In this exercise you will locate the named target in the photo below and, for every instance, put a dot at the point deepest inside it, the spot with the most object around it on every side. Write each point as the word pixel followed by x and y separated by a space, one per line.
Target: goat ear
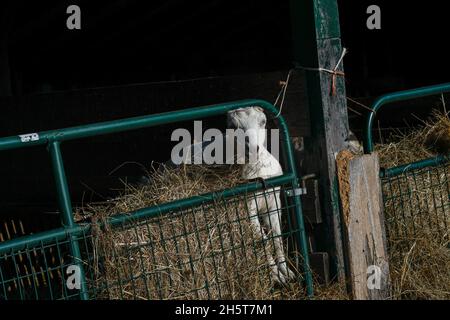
pixel 259 109
pixel 236 110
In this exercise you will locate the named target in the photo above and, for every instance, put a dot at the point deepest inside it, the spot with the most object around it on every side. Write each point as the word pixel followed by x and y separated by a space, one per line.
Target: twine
pixel 334 73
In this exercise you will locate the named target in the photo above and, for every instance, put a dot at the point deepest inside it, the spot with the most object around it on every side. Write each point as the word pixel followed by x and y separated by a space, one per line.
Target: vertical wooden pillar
pixel 317 43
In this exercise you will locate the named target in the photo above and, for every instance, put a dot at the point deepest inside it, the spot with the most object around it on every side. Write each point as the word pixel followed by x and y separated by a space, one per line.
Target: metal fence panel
pixel 417 202
pixel 207 251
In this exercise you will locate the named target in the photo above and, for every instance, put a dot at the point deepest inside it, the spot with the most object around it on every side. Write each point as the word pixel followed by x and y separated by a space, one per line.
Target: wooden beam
pixel 317 44
pixel 364 226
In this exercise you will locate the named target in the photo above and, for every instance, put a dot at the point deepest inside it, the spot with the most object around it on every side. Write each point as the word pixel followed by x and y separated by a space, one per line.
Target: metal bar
pixel 41 238
pixel 102 128
pixel 47 237
pixel 396 97
pixel 65 206
pixel 62 188
pixel 301 234
pixel 432 162
pixel 303 244
pixel 121 219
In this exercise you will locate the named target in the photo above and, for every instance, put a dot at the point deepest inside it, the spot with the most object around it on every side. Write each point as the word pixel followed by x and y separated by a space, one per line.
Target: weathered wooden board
pixel 363 219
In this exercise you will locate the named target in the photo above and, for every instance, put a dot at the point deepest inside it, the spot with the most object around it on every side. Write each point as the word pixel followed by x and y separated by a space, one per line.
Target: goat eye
pixel 262 122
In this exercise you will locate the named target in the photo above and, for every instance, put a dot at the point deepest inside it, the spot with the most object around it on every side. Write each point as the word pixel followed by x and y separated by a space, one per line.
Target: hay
pixel 342 161
pixel 420 268
pixel 417 211
pixel 419 143
pixel 204 253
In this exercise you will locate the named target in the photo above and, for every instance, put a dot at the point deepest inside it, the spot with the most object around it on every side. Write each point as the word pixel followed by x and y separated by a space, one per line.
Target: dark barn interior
pixel 134 58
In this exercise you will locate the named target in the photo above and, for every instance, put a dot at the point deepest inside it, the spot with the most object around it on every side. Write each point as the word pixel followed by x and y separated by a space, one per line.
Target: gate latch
pixel 296 192
pixel 303 190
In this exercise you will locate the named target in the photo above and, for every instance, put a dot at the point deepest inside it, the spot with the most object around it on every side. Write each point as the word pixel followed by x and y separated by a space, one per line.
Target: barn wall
pixel 89 162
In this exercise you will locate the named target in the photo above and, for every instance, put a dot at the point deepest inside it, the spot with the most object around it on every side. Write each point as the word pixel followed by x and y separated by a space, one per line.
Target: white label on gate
pixel 29 137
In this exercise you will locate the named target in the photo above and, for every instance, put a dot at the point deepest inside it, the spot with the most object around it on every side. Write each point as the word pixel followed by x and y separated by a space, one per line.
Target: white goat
pixel 265 205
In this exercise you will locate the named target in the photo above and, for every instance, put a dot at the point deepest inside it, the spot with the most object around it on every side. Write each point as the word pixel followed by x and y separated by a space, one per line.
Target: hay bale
pixel 203 253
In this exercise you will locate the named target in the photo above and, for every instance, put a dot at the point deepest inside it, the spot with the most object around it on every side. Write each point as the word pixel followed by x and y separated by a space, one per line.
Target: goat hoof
pixel 288 273
pixel 278 278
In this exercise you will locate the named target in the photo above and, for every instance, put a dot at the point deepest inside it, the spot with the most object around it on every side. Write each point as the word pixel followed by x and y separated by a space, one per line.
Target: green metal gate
pixel 416 195
pixel 29 264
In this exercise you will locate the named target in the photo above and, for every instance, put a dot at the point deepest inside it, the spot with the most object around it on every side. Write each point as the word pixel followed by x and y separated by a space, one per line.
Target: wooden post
pixel 364 226
pixel 317 43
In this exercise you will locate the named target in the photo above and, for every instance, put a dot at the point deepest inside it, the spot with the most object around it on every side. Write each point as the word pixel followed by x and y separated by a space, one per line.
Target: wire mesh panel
pixel 417 203
pixel 36 272
pixel 216 250
pixel 211 251
pixel 416 195
pixel 417 212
